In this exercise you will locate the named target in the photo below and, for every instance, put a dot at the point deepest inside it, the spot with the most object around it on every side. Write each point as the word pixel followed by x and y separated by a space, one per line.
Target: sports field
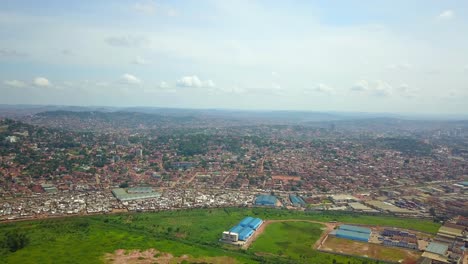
pixel 393 254
pixel 194 233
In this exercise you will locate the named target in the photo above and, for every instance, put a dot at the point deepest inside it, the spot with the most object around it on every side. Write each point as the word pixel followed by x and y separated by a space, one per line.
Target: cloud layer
pixel 41 82
pixel 194 81
pixel 277 55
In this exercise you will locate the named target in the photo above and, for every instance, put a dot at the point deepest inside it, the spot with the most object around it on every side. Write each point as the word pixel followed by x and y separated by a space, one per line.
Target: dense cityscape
pixel 66 163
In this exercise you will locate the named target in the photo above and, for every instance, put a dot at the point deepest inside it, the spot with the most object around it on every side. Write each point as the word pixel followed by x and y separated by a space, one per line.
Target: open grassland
pixel 188 232
pixel 294 240
pixel 393 254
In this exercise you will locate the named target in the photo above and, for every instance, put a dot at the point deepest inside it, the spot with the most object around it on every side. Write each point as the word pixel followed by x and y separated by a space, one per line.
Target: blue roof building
pixel 356 229
pixel 244 230
pixel 245 233
pixel 352 235
pixel 255 223
pixel 266 200
pixel 353 232
pixel 245 222
pixel 296 200
pixel 236 229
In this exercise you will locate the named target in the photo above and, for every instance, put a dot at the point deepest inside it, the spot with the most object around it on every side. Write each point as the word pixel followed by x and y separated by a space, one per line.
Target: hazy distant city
pixel 69 162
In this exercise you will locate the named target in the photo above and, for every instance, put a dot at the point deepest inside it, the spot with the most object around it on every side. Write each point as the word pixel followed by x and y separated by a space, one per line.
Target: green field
pixel 294 240
pixel 193 232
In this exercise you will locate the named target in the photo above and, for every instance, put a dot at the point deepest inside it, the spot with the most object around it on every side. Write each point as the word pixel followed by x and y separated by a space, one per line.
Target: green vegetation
pixel 15 240
pixel 294 241
pixel 194 232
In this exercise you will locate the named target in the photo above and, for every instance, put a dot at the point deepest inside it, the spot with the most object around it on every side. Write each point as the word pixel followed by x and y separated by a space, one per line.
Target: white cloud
pixel 130 79
pixel 41 82
pixel 323 88
pixel 162 87
pixel 140 61
pixel 377 88
pixel 147 8
pixel 382 88
pixel 447 14
pixel 194 81
pixel 407 91
pixel 15 83
pixel 360 86
pixel 209 84
pixel 189 81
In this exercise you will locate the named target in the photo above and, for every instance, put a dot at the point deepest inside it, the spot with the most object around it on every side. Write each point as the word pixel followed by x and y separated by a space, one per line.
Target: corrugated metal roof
pixel 352 235
pixel 236 229
pixel 355 229
pixel 265 199
pixel 245 233
pixel 437 248
pixel 255 223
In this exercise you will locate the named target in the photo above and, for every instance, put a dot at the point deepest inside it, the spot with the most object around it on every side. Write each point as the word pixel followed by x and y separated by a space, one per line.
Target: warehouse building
pixel 357 229
pixel 296 200
pixel 243 231
pixel 437 252
pixel 266 200
pixel 353 233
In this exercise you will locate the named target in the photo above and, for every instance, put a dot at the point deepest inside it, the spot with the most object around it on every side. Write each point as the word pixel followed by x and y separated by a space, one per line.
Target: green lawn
pixel 194 232
pixel 294 241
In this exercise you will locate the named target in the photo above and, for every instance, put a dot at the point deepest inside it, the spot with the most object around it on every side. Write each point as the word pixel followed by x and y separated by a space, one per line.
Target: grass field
pixel 370 250
pixel 193 232
pixel 292 239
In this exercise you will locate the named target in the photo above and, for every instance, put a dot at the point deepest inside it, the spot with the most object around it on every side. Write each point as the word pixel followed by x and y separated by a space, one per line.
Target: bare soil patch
pixel 346 246
pixel 150 256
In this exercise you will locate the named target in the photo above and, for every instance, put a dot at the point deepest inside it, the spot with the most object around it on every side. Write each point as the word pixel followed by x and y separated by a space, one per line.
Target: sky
pixel 359 56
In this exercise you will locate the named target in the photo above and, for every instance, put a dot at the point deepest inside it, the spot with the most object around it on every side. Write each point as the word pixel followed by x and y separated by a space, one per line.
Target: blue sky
pixel 373 56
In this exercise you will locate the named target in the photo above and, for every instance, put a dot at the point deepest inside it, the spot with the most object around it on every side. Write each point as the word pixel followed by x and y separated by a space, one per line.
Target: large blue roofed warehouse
pixel 243 231
pixel 353 232
pixel 265 200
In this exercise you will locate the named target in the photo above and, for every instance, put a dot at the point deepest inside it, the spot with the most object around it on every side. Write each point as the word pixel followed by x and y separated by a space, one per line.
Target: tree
pixel 15 240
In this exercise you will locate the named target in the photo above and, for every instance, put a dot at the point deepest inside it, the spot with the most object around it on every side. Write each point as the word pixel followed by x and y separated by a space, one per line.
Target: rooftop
pixel 355 229
pixel 347 233
pixel 437 248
